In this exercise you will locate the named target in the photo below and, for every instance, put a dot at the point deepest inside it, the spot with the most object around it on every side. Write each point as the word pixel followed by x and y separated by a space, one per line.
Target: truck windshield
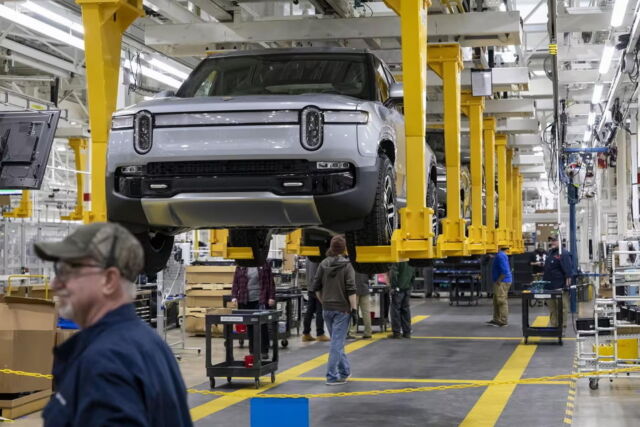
pixel 281 74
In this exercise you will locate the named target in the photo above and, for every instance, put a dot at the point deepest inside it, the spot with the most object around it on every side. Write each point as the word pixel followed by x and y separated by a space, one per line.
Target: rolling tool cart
pixel 530 296
pixel 252 366
pixel 462 283
pixel 292 298
pixel 382 320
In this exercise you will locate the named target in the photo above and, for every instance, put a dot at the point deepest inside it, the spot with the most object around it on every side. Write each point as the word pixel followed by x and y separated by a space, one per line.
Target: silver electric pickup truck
pixel 262 142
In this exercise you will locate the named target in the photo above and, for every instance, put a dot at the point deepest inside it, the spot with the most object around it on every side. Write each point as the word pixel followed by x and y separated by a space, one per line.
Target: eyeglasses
pixel 66 270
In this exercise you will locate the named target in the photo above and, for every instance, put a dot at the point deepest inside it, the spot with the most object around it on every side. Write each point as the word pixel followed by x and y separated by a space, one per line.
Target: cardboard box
pixel 27 337
pixel 64 334
pixel 222 274
pixel 205 296
pixel 194 322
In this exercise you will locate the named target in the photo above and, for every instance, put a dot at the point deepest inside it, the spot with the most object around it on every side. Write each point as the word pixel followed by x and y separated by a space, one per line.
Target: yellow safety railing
pixel 13 277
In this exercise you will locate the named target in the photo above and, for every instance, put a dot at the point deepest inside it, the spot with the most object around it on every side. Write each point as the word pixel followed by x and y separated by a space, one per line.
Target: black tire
pixel 257 239
pixel 593 383
pixel 157 250
pixel 285 343
pixel 379 223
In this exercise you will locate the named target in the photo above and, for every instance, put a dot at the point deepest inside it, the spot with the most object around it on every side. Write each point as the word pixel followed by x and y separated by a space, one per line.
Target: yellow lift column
pixel 415 238
pixel 446 61
pixel 78 145
pixel 104 23
pixel 519 240
pixel 502 233
pixel 489 131
pixel 24 209
pixel 516 226
pixel 509 197
pixel 473 108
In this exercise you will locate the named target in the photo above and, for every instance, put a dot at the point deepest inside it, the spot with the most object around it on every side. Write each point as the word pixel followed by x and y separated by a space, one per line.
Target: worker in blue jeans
pixel 335 287
pixel 501 276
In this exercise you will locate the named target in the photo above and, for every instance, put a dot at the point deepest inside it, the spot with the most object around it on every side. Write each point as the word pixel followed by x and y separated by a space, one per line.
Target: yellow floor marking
pixel 223 402
pixel 426 380
pixel 489 407
pixel 488 338
pixel 569 412
pixel 568 421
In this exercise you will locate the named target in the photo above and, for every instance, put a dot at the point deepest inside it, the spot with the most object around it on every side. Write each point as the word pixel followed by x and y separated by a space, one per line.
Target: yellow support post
pixel 502 233
pixel 489 131
pixel 104 23
pixel 518 241
pixel 78 145
pixel 294 246
pixel 509 193
pixel 515 171
pixel 218 246
pixel 414 240
pixel 473 108
pixel 446 61
pixel 24 209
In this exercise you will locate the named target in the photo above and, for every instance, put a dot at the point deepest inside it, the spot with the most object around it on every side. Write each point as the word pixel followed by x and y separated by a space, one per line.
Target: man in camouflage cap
pixel 116 370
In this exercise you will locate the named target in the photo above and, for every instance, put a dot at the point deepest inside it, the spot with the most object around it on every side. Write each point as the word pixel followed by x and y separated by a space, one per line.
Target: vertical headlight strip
pixel 143 132
pixel 311 128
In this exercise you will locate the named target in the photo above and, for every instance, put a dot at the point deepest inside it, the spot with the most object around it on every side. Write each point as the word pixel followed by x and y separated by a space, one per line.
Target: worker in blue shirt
pixel 558 270
pixel 501 276
pixel 116 371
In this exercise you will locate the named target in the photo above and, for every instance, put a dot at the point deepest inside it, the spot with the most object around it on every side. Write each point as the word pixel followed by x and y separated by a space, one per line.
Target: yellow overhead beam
pixel 104 23
pixel 489 131
pixel 78 146
pixel 473 108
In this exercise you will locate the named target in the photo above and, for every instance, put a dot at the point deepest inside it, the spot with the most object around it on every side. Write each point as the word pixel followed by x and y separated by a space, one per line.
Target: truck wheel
pixel 380 223
pixel 157 250
pixel 256 239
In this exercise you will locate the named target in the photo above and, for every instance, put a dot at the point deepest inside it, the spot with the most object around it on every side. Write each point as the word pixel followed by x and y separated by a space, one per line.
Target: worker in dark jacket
pixel 558 270
pixel 401 280
pixel 116 370
pixel 502 278
pixel 335 287
pixel 254 289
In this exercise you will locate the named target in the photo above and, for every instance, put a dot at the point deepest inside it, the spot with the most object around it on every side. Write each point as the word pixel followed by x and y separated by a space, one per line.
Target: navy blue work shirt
pixel 558 268
pixel 117 372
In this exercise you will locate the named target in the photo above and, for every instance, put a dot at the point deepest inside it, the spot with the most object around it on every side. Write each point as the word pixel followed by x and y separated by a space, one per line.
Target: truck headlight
pixel 311 128
pixel 142 132
pixel 122 122
pixel 346 117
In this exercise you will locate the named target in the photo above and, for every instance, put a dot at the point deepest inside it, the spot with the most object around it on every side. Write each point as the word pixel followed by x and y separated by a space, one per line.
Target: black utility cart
pixel 528 298
pixel 382 321
pixel 236 368
pixel 292 298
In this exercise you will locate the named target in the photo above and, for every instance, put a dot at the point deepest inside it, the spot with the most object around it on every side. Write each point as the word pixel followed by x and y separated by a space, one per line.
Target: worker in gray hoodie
pixel 335 287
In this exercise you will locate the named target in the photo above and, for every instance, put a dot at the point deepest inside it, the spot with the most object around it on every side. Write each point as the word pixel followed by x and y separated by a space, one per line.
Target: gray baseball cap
pixel 109 244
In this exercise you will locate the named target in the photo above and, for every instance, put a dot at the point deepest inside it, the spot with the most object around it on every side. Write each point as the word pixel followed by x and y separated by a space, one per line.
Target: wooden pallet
pixel 18 407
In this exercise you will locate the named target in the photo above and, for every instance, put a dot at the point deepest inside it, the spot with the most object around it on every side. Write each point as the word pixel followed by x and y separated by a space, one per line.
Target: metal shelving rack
pixel 608 327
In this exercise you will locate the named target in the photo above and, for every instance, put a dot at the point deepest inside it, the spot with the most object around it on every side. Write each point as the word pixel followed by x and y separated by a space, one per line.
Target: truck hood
pixel 243 103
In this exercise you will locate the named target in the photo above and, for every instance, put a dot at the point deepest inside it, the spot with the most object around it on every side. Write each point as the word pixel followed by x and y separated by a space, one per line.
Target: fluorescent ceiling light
pixel 48 14
pixel 592 118
pixel 40 27
pixel 168 68
pixel 537 149
pixel 153 74
pixel 619 10
pixel 597 94
pixel 587 135
pixel 539 73
pixel 607 56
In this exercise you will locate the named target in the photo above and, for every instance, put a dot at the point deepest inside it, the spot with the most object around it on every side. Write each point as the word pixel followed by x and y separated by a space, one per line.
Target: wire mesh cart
pixel 292 299
pixel 529 297
pixel 253 366
pixel 609 341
